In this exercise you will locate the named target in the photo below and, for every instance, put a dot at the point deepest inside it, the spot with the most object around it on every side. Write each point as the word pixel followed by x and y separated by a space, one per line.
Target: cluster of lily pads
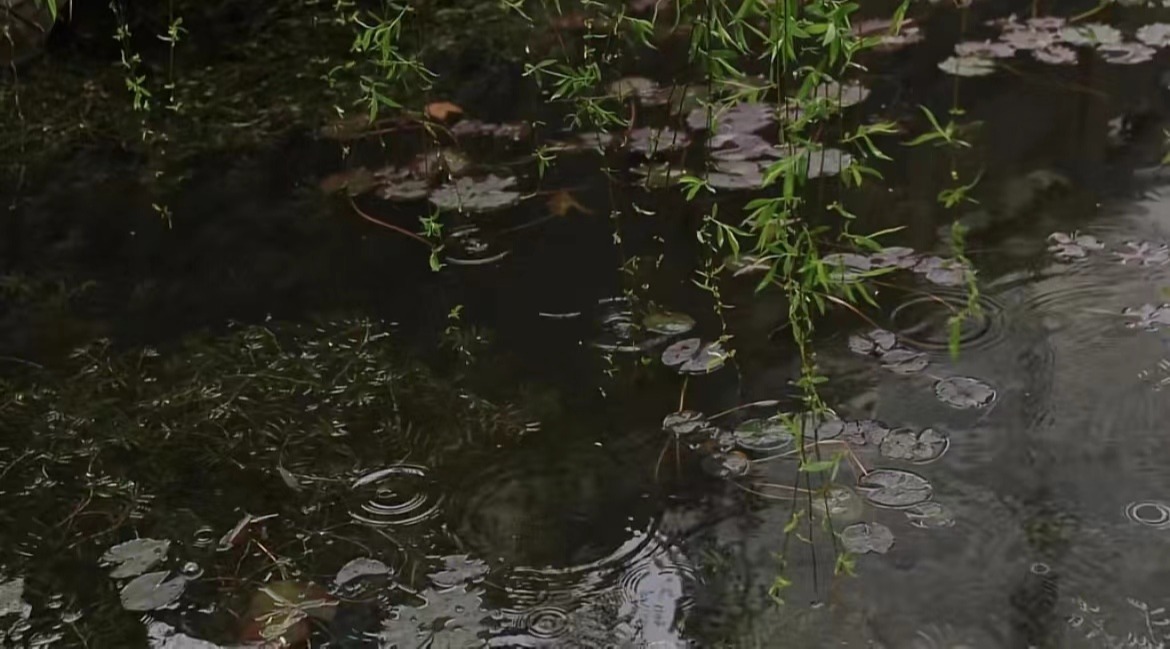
pixel 1076 246
pixel 1054 40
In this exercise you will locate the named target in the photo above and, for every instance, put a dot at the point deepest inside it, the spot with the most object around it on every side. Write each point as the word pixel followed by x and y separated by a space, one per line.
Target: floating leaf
pixel 1091 34
pixel 894 488
pixel 764 435
pixel 743 117
pixel 1154 34
pixel 476 128
pixel 726 465
pixel 737 175
pixel 361 567
pixel 1056 55
pixel 840 503
pixel 441 111
pixel 1068 247
pixel 847 266
pixel 668 322
pixel 1126 53
pixel 477 194
pixel 985 49
pixel 741 146
pixel 964 392
pixel 893 257
pixel 160 635
pixel 12 599
pixel 841 95
pixel 930 515
pixel 652 141
pixel 861 538
pixel 459 570
pixel 135 557
pixel 919 447
pixel 152 591
pixel 680 352
pixel 395 184
pixel 904 361
pixel 1144 253
pixel 967 66
pixel 857 433
pixel 875 342
pixel 1031 39
pixel 825 162
pixel 685 422
pixel 1148 316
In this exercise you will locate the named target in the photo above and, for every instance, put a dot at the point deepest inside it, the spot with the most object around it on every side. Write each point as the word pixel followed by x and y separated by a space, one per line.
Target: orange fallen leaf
pixel 441 111
pixel 562 202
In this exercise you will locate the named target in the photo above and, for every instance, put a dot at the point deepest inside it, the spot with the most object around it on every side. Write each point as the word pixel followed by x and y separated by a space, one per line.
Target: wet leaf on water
pixel 737 175
pixel 904 361
pixel 1091 34
pixel 476 128
pixel 12 599
pixel 1144 253
pixel 857 432
pixel 442 111
pixel 862 538
pixel 434 164
pixel 561 203
pixel 152 591
pixel 943 272
pixel 894 488
pixel 919 447
pixel 985 49
pixel 459 570
pixel 353 182
pixel 652 141
pixel 846 266
pixel 732 464
pixel 680 352
pixel 743 117
pixel 668 322
pixel 825 162
pixel 893 257
pixel 477 194
pixel 685 422
pixel 930 515
pixel 877 341
pixel 1126 53
pixel 288 478
pixel 447 619
pixel 279 611
pixel 1056 55
pixel 657 175
pixel 840 503
pixel 764 435
pixel 1148 316
pixel 691 356
pixel 160 635
pixel 1070 247
pixel 1154 34
pixel 841 95
pixel 135 557
pixel 398 185
pixel 360 567
pixel 967 66
pixel 964 392
pixel 1032 39
pixel 741 146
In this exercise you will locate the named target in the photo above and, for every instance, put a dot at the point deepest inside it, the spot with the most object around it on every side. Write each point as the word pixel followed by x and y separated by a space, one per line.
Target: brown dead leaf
pixel 354 182
pixel 441 111
pixel 562 202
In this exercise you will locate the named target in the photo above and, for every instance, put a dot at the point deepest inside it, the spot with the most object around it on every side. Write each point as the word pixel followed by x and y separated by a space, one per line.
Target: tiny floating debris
pixel 863 538
pixel 894 257
pixel 1148 316
pixel 279 612
pixel 894 488
pixel 135 557
pixel 692 356
pixel 964 392
pixel 1056 55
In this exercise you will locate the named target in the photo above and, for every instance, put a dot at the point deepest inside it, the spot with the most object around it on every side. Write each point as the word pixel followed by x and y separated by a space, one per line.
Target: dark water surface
pixel 280 393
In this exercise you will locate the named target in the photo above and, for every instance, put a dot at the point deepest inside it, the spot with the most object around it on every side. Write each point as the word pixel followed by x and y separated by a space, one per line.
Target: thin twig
pixel 389 226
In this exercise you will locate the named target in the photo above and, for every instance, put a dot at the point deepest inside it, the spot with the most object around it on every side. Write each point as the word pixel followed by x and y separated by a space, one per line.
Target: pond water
pixel 271 422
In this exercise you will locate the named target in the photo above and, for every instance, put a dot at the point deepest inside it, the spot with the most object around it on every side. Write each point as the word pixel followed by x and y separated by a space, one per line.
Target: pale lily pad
pixel 459 570
pixel 764 435
pixel 985 49
pixel 826 162
pixel 12 599
pixel 862 538
pixel 737 175
pixel 680 352
pixel 359 568
pixel 967 66
pixel 919 447
pixel 1031 39
pixel 160 635
pixel 685 422
pixel 477 194
pixel 904 361
pixel 1144 253
pixel 452 618
pixel 930 515
pixel 856 432
pixel 1070 247
pixel 842 95
pixel 894 488
pixel 847 266
pixel 152 591
pixel 964 392
pixel 875 342
pixel 135 557
pixel 691 356
pixel 476 128
pixel 1046 23
pixel 1148 316
pixel 1091 34
pixel 840 503
pixel 1126 53
pixel 743 117
pixel 652 141
pixel 893 257
pixel 403 189
pixel 943 272
pixel 669 323
pixel 1154 34
pixel 741 146
pixel 1056 55
pixel 726 465
pixel 436 163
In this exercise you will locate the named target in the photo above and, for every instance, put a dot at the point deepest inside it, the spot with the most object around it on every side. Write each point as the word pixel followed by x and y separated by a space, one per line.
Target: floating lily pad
pixel 652 141
pixel 862 538
pixel 930 515
pixel 658 175
pixel 877 341
pixel 919 447
pixel 152 591
pixel 459 570
pixel 732 464
pixel 894 488
pixel 1091 34
pixel 133 558
pixel 451 618
pixel 437 163
pixel 826 162
pixel 691 356
pixel 904 361
pixel 1126 53
pixel 685 422
pixel 893 257
pixel 743 117
pixel 856 432
pixel 668 322
pixel 840 503
pixel 476 128
pixel 1148 316
pixel 943 272
pixel 737 175
pixel 1056 55
pixel 160 635
pixel 742 146
pixel 477 194
pixel 1070 247
pixel 985 49
pixel 1154 34
pixel 841 95
pixel 764 435
pixel 359 568
pixel 967 66
pixel 680 352
pixel 1144 253
pixel 1031 39
pixel 847 266
pixel 964 392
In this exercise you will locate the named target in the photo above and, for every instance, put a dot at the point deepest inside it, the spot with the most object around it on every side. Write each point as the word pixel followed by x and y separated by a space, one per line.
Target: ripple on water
pixel 923 322
pixel 402 494
pixel 547 622
pixel 1150 513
